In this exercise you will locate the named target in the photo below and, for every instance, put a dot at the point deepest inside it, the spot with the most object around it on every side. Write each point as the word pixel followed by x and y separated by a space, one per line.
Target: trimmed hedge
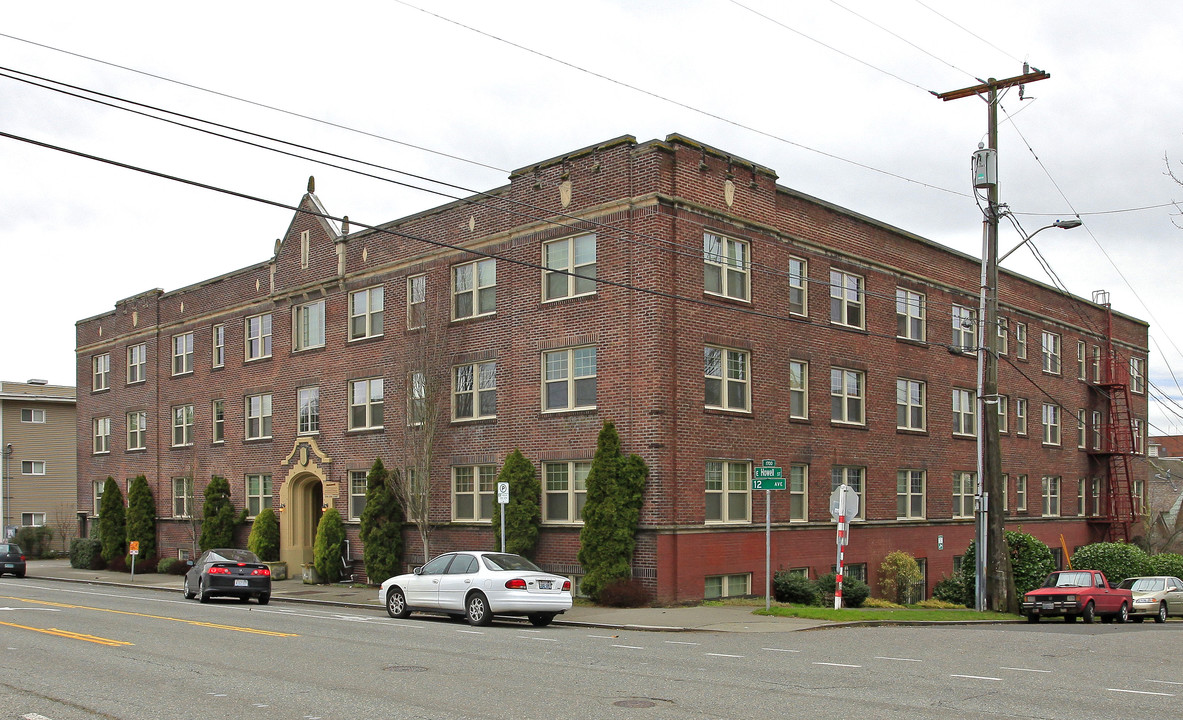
pixel 795 588
pixel 86 554
pixel 1167 564
pixel 1117 560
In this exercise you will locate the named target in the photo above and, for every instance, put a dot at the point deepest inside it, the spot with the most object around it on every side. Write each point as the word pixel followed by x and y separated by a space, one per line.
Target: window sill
pixel 307 350
pixel 264 439
pixel 713 410
pixel 261 358
pixel 727 298
pixel 365 430
pixel 572 411
pixel 851 328
pixel 848 425
pixel 365 338
pixel 963 436
pixel 137 450
pixel 136 382
pixel 182 374
pixel 911 341
pixel 470 318
pixel 100 391
pixel 917 432
pixel 184 446
pixel 564 298
pixel 483 420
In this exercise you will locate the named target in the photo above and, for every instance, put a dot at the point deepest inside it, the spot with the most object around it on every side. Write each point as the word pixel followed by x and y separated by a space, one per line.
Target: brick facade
pixel 649 320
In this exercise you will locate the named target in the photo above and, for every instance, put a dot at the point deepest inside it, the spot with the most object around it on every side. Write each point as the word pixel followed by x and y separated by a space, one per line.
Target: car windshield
pixel 1143 584
pixel 231 555
pixel 505 561
pixel 1069 579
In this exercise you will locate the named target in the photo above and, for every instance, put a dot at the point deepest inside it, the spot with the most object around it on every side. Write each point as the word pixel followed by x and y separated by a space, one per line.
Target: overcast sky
pixel 833 96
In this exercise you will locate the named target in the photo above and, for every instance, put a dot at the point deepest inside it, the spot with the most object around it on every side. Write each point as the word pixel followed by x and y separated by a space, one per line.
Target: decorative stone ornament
pixel 729 192
pixel 565 192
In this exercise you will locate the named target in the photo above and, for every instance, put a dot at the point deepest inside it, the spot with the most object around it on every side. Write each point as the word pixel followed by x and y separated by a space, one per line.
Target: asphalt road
pixel 72 652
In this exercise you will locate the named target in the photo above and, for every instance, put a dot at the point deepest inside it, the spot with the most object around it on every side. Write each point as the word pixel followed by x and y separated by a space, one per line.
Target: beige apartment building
pixel 38 438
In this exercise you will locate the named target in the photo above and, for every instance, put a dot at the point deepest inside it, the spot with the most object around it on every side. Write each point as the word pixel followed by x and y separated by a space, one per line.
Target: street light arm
pixel 1062 224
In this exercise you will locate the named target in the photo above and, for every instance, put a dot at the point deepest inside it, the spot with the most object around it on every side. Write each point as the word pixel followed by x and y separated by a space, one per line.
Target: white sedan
pixel 477 586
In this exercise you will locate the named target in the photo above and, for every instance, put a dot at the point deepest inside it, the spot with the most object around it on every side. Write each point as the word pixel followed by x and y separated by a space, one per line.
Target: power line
pixel 967 31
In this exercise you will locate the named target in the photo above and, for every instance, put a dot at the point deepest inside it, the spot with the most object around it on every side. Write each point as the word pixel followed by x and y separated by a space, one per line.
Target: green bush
pixel 264 538
pixel 329 546
pixel 611 513
pixel 1167 564
pixel 950 589
pixel 141 520
pixel 166 565
pixel 854 591
pixel 112 522
pixel 381 531
pixel 1117 560
pixel 86 554
pixel 794 588
pixel 218 517
pixel 34 541
pixel 898 574
pixel 523 515
pixel 1030 560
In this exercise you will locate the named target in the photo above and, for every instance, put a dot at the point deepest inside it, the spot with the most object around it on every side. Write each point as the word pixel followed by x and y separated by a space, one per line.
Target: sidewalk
pixel 677 619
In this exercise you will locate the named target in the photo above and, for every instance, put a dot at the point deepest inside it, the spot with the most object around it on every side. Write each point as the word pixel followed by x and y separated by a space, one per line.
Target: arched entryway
pixel 302 496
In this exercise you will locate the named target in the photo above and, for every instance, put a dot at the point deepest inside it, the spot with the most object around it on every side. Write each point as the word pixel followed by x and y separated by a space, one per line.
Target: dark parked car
pixel 12 560
pixel 228 572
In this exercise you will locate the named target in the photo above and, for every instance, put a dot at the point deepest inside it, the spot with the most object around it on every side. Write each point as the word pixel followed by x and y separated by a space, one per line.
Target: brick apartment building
pixel 718 318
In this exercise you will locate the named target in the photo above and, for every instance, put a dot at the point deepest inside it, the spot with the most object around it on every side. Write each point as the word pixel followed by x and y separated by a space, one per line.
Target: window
pixel 1005 494
pixel 182 497
pixel 182 425
pixel 965 328
pixel 565 491
pixel 474 289
pixel 102 435
pixel 1137 375
pixel 32 467
pixel 846 396
pixel 258 494
pixel 846 299
pixel 258 416
pixel 854 571
pixel 308 410
pixel 32 415
pixel 101 365
pixel 1081 429
pixel 96 488
pixel 799 492
pixel 473 492
pixel 137 364
pixel 1081 360
pixel 32 519
pixel 183 353
pixel 308 325
pixel 798 287
pixel 1003 335
pixel 416 301
pixel 417 398
pixel 366 310
pixel 1096 417
pixel 909 495
pixel 1051 496
pixel 258 337
pixel 1080 495
pixel 909 315
pixel 1096 363
pixel 721 586
pixel 474 391
pixel 909 404
pixel 1050 349
pixel 1002 403
pixel 1095 491
pixel 304 249
pixel 728 491
pixel 218 340
pixel 1021 416
pixel 964 412
pixel 1051 424
pixel 1139 489
pixel 570 267
pixel 1021 340
pixel 570 379
pixel 365 404
pixel 725 378
pixel 1139 428
pixel 798 389
pixel 1021 494
pixel 725 266
pixel 137 430
pixel 852 476
pixel 358 486
pixel 218 411
pixel 965 487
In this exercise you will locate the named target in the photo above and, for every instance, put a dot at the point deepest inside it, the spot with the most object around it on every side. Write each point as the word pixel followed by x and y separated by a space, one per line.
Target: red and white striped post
pixel 841 545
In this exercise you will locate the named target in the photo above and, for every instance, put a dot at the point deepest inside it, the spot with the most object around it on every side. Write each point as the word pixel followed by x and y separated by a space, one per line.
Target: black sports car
pixel 228 572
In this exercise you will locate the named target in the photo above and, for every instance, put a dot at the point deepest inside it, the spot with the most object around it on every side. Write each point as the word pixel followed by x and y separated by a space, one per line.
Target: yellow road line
pixel 216 626
pixel 71 635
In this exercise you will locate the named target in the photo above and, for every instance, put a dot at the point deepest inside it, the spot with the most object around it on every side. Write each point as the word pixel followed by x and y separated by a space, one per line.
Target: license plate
pixel 8 565
pixel 1048 605
pixel 545 584
pixel 240 583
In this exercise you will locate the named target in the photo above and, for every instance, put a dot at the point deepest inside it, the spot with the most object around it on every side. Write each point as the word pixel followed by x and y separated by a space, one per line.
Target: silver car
pixel 1157 596
pixel 476 586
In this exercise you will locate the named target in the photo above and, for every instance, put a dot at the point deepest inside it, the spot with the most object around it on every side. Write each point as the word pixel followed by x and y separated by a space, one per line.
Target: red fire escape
pixel 1117 511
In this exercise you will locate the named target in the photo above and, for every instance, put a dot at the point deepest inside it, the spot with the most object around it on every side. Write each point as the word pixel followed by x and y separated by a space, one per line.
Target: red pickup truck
pixel 1078 592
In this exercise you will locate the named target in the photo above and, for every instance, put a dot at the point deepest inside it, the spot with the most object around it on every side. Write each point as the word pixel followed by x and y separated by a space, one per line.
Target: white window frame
pixel 367 312
pixel 137 363
pixel 96 492
pixel 32 415
pixel 1081 360
pixel 1050 485
pixel 1049 350
pixel 182 425
pixel 726 266
pixel 1096 362
pixel 1081 429
pixel 357 495
pixel 1138 375
pixel 965 328
pixel 417 406
pixel 475 487
pixel 258 489
pixel 798 286
pixel 474 391
pixel 218 343
pixel 1096 418
pixel 568 271
pixel 32 519
pixel 965 412
pixel 910 488
pixel 909 314
pixel 1021 340
pixel 1003 406
pixel 100 372
pixel 841 396
pixel 729 370
pixel 101 435
pixel 1003 335
pixel 847 299
pixel 1080 497
pixel 965 488
pixel 568 368
pixel 1139 431
pixel 137 430
pixel 1021 493
pixel 218 421
pixel 182 496
pixel 367 402
pixel 32 467
pixel 730 482
pixel 1051 424
pixel 799 389
pixel 305 249
pixel 856 477
pixel 257 333
pixel 308 325
pixel 910 399
pixel 182 353
pixel 308 410
pixel 257 416
pixel 733 585
pixel 571 497
pixel 1021 406
pixel 798 487
pixel 416 301
pixel 474 285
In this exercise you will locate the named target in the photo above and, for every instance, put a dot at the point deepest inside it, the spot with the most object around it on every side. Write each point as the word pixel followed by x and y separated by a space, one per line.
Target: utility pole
pixel 994 578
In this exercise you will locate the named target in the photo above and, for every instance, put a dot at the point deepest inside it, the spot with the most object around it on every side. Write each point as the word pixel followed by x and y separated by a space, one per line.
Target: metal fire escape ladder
pixel 1117 442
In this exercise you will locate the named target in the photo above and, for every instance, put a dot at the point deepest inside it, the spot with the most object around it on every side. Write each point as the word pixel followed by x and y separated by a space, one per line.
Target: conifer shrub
pixel 381 529
pixel 329 546
pixel 264 538
pixel 611 513
pixel 218 517
pixel 86 554
pixel 112 522
pixel 523 512
pixel 141 521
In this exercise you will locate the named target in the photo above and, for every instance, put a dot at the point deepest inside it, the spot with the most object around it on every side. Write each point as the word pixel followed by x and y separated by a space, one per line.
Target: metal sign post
pixel 503 500
pixel 133 549
pixel 843 504
pixel 768 477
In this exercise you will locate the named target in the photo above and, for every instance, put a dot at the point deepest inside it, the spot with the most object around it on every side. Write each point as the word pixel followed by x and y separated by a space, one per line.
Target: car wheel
pixel 264 598
pixel 541 619
pixel 396 603
pixel 201 595
pixel 1161 617
pixel 1032 618
pixel 1090 612
pixel 1122 615
pixel 189 595
pixel 477 610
